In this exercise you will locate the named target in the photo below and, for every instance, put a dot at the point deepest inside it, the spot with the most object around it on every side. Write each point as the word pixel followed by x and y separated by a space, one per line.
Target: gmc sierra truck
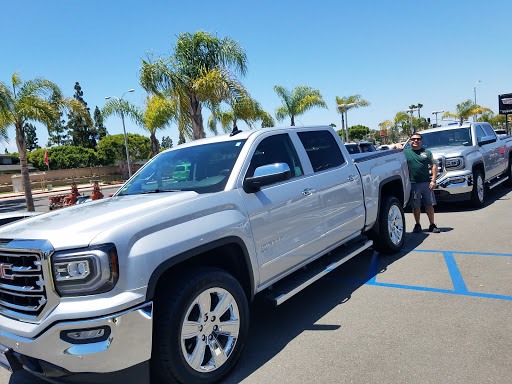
pixel 154 283
pixel 470 158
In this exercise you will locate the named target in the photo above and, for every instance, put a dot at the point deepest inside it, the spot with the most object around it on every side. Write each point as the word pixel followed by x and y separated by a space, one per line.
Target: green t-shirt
pixel 418 164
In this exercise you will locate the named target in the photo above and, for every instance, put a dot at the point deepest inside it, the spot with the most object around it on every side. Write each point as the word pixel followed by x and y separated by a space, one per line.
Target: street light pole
pixel 436 113
pixel 411 111
pixel 474 88
pixel 119 100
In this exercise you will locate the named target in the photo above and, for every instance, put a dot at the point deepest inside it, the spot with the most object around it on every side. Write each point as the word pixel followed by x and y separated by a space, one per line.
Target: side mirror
pixel 266 175
pixel 486 140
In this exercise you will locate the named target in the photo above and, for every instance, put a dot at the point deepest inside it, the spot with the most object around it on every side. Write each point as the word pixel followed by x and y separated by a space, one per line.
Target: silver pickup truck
pixel 157 280
pixel 470 159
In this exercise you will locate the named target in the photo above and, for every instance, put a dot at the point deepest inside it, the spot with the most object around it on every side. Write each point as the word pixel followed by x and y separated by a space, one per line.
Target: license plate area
pixel 4 361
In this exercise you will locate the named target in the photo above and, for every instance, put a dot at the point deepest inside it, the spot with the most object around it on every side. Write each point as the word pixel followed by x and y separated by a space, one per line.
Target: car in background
pixel 361 147
pixel 181 172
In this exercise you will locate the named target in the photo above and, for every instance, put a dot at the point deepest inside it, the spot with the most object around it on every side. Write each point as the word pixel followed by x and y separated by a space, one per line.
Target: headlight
pixel 454 162
pixel 85 272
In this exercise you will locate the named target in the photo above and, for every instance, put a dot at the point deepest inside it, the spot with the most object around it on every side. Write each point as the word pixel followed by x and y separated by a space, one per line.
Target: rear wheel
pixel 389 234
pixel 201 327
pixel 478 193
pixel 508 183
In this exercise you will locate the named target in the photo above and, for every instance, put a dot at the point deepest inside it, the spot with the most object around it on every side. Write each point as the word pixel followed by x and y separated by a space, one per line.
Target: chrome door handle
pixel 308 192
pixel 352 178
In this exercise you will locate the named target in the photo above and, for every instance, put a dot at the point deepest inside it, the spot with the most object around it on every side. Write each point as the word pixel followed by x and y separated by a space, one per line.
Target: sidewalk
pixel 65 190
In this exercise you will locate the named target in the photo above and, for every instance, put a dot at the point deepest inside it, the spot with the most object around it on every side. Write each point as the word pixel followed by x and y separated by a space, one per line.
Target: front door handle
pixel 308 192
pixel 352 178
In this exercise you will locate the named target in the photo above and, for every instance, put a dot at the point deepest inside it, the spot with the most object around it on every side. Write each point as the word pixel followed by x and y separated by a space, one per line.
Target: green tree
pixel 81 130
pixel 30 132
pixel 30 101
pixel 197 72
pixel 465 110
pixel 403 124
pixel 99 128
pixel 57 134
pixel 181 139
pixel 111 148
pixel 349 102
pixel 358 132
pixel 64 157
pixel 297 102
pixel 158 113
pixel 166 142
pixel 246 109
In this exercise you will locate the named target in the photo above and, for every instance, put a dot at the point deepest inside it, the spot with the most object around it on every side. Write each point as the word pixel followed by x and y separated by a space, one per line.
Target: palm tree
pixel 158 113
pixel 465 110
pixel 198 72
pixel 356 102
pixel 297 102
pixel 33 100
pixel 246 109
pixel 387 126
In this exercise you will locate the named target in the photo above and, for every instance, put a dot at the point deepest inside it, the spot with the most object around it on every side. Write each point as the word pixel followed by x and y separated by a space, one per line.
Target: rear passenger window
pixel 322 149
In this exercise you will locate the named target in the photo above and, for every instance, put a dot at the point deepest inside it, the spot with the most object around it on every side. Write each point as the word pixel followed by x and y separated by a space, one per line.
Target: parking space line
pixel 457 279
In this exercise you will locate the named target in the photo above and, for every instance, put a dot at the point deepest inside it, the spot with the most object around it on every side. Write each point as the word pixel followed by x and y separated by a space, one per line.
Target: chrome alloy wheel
pixel 395 225
pixel 210 330
pixel 480 187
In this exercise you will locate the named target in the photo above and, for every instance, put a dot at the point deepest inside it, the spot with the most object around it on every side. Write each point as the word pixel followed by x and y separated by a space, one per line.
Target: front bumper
pixel 454 185
pixel 128 344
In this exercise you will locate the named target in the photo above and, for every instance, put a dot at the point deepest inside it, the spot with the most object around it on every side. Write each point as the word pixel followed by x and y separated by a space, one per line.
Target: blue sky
pixel 393 53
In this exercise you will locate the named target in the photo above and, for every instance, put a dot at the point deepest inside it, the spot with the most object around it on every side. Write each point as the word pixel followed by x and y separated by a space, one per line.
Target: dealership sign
pixel 505 103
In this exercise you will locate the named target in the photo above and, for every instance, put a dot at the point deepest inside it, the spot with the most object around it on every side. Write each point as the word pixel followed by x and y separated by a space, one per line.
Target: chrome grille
pixel 22 282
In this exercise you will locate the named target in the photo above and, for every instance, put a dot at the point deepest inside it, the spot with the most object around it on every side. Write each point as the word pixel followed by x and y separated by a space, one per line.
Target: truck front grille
pixel 22 282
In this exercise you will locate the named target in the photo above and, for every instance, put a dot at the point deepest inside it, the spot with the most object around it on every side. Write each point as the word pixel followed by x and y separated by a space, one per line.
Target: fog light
pixel 88 335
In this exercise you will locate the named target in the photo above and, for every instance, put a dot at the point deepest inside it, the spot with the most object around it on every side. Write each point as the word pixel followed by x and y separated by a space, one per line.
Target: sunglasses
pixel 415 139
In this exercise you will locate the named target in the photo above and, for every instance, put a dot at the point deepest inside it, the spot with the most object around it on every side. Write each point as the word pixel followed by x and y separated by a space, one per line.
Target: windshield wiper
pixel 159 190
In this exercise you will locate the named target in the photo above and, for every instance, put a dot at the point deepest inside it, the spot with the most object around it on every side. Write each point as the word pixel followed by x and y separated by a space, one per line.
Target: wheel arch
pixel 229 254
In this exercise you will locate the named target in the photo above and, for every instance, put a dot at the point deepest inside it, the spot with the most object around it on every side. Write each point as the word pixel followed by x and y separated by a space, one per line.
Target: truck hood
pixel 449 151
pixel 77 225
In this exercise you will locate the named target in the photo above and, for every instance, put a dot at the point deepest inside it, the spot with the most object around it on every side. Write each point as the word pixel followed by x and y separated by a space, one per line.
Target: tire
pixel 478 193
pixel 201 325
pixel 388 234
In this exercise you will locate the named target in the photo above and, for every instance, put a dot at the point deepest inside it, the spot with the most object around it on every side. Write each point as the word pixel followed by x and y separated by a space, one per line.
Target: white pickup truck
pixel 470 158
pixel 157 280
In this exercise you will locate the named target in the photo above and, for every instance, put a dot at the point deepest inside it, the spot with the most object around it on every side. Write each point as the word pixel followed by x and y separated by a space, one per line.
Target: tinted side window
pixel 479 132
pixel 488 130
pixel 276 149
pixel 322 149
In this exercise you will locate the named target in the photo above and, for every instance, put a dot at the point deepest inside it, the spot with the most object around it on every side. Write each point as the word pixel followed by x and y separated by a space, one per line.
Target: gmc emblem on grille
pixel 3 271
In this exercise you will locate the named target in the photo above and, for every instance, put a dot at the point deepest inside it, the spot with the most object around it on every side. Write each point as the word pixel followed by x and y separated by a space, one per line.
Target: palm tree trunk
pixel 293 121
pixel 154 145
pixel 196 117
pixel 25 178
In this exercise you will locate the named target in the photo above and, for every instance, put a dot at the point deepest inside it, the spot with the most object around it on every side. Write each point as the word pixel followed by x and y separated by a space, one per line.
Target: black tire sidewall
pixel 170 319
pixel 382 242
pixel 475 200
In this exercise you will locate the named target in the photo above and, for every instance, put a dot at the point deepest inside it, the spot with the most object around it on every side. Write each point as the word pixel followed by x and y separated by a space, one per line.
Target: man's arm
pixel 432 184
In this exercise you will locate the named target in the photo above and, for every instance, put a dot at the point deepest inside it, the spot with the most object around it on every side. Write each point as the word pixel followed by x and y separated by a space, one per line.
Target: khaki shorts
pixel 421 194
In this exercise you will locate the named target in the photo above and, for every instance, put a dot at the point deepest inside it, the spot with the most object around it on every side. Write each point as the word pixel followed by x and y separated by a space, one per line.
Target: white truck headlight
pixel 454 163
pixel 85 271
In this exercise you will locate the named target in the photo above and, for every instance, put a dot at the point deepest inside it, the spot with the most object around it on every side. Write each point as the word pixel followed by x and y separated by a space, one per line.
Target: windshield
pixel 448 138
pixel 202 168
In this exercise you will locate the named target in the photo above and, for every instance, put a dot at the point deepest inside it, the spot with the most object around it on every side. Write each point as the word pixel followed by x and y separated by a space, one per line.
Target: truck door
pixel 487 151
pixel 342 211
pixel 284 217
pixel 499 150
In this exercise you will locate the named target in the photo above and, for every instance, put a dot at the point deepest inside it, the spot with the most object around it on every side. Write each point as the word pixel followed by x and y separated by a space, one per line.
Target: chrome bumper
pixel 129 343
pixel 454 183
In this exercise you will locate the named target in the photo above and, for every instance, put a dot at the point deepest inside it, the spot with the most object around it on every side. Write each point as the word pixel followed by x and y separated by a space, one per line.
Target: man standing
pixel 422 186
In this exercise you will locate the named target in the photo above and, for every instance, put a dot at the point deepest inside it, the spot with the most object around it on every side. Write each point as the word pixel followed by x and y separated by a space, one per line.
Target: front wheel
pixel 201 327
pixel 478 193
pixel 388 234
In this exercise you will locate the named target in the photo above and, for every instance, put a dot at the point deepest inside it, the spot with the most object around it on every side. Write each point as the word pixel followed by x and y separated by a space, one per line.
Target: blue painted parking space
pixel 459 285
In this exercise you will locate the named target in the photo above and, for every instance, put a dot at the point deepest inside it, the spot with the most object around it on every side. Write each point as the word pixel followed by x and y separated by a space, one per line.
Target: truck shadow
pixel 273 328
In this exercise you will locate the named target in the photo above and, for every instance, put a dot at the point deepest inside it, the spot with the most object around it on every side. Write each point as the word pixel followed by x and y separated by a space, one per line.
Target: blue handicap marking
pixel 459 286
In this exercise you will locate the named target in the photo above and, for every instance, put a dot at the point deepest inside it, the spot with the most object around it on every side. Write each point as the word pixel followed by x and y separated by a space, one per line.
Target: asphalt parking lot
pixel 438 312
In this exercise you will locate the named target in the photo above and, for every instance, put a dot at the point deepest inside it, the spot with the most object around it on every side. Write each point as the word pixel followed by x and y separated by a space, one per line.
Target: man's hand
pixel 432 185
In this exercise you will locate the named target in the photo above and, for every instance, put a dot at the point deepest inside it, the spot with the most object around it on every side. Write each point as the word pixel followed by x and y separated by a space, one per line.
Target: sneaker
pixel 417 228
pixel 433 228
